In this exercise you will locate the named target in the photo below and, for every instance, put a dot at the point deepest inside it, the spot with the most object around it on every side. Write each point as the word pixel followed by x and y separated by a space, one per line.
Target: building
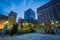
pixel 49 11
pixel 29 16
pixel 12 18
pixel 3 19
pixel 20 21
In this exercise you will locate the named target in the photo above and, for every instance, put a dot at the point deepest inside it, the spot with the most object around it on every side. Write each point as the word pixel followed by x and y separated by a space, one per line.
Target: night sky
pixel 20 6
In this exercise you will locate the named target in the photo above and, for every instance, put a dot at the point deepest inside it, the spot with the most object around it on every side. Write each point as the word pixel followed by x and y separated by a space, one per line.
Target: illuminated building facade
pixel 3 19
pixel 12 18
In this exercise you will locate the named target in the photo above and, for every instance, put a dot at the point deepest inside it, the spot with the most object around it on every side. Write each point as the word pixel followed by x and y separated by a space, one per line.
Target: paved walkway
pixel 35 36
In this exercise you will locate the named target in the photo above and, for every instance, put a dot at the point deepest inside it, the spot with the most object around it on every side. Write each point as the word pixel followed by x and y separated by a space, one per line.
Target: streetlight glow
pixel 42 23
pixel 52 23
pixel 6 22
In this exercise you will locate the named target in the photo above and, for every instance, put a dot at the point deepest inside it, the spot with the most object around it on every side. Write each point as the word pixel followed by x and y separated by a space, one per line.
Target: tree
pixel 14 29
pixel 20 21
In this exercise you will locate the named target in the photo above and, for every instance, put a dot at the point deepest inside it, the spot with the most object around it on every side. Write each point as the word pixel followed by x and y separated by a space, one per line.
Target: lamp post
pixel 43 24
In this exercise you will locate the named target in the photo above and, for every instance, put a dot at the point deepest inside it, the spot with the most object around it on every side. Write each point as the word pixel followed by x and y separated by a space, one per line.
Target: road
pixel 33 36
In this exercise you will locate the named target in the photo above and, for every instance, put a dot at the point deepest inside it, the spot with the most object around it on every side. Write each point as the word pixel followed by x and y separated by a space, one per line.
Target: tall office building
pixel 12 18
pixel 29 15
pixel 49 11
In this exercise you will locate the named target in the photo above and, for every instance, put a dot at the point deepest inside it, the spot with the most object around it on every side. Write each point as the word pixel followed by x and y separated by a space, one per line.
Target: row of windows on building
pixel 50 13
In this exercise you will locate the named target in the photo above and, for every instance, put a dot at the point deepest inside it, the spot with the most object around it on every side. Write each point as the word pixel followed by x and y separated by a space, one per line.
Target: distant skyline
pixel 20 6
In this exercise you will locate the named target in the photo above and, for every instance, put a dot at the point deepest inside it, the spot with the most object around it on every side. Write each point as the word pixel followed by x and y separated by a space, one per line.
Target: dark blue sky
pixel 20 6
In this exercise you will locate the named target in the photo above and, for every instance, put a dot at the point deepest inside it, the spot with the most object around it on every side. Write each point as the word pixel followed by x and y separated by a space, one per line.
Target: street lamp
pixel 43 24
pixel 23 24
pixel 52 23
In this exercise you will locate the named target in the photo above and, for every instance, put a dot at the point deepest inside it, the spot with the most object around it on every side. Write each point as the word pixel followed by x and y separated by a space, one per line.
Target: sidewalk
pixel 34 36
